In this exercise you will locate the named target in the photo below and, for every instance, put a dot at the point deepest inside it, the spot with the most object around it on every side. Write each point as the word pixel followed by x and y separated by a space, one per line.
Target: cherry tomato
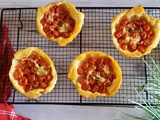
pixel 49 34
pixel 70 29
pixel 100 69
pixel 34 70
pixel 100 60
pixel 27 88
pixel 32 57
pixel 146 42
pixel 22 61
pixel 141 48
pixel 124 22
pixel 31 78
pixel 46 28
pixel 150 34
pixel 30 64
pixel 134 34
pixel 86 87
pixel 43 85
pixel 79 70
pixel 43 21
pixel 40 79
pixel 18 74
pixel 27 71
pixel 23 81
pixel 93 67
pixel 106 82
pixel 56 34
pixel 68 19
pixel 82 81
pixel 110 67
pixel 117 34
pixel 124 46
pixel 143 35
pixel 20 67
pixel 86 72
pixel 120 41
pixel 60 10
pixel 95 88
pixel 102 89
pixel 65 34
pixel 53 8
pixel 91 81
pixel 92 60
pixel 132 46
pixel 107 60
pixel 84 66
pixel 36 85
pixel 142 21
pixel 146 27
pixel 48 77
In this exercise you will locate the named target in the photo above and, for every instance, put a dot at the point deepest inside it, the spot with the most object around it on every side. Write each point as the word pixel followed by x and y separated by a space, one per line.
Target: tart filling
pixel 134 35
pixel 57 22
pixel 96 74
pixel 32 73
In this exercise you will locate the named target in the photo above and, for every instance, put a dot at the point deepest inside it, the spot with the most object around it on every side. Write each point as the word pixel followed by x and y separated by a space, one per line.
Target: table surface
pixel 72 112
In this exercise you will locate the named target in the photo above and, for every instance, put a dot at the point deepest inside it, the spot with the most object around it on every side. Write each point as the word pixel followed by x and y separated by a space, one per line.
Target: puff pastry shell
pixel 35 93
pixel 72 74
pixel 76 15
pixel 137 12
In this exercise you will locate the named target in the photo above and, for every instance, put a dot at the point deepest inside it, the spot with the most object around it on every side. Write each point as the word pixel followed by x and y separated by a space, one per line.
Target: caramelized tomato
pixel 53 21
pixel 136 29
pixel 96 74
pixel 28 76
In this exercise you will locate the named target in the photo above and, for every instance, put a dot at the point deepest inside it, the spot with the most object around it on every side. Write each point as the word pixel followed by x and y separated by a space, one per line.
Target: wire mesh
pixel 96 36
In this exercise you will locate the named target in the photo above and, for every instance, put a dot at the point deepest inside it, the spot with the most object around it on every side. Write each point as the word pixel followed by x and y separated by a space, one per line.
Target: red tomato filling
pixel 134 35
pixel 96 74
pixel 33 73
pixel 57 22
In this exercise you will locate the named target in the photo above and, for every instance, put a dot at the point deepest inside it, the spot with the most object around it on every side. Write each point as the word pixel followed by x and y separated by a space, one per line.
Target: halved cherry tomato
pixel 86 87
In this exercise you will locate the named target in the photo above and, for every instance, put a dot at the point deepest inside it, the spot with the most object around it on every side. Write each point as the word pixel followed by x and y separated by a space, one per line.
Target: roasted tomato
pixel 134 33
pixel 59 22
pixel 32 72
pixel 95 74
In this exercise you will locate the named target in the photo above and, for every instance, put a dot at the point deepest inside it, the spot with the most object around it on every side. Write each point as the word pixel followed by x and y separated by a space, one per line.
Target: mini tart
pixel 134 33
pixel 95 74
pixel 59 22
pixel 32 72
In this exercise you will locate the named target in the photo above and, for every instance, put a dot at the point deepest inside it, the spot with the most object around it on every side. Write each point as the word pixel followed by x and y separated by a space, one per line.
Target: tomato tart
pixel 95 74
pixel 32 72
pixel 134 32
pixel 59 22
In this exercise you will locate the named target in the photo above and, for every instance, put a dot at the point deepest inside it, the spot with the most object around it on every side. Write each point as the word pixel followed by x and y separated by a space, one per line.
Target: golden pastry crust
pixel 137 12
pixel 73 75
pixel 35 93
pixel 77 16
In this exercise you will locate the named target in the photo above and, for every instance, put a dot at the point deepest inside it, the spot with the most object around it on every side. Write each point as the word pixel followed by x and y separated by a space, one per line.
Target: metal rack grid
pixel 95 35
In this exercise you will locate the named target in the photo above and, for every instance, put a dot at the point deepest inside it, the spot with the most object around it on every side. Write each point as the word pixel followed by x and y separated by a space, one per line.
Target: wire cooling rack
pixel 96 36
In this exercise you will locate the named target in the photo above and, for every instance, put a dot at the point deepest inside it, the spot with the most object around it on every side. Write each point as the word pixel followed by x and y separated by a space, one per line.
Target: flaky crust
pixel 136 12
pixel 77 16
pixel 35 93
pixel 72 74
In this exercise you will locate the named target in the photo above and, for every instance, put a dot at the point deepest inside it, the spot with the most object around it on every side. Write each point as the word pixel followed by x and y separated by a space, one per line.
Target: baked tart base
pixel 32 72
pixel 95 74
pixel 59 22
pixel 134 32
